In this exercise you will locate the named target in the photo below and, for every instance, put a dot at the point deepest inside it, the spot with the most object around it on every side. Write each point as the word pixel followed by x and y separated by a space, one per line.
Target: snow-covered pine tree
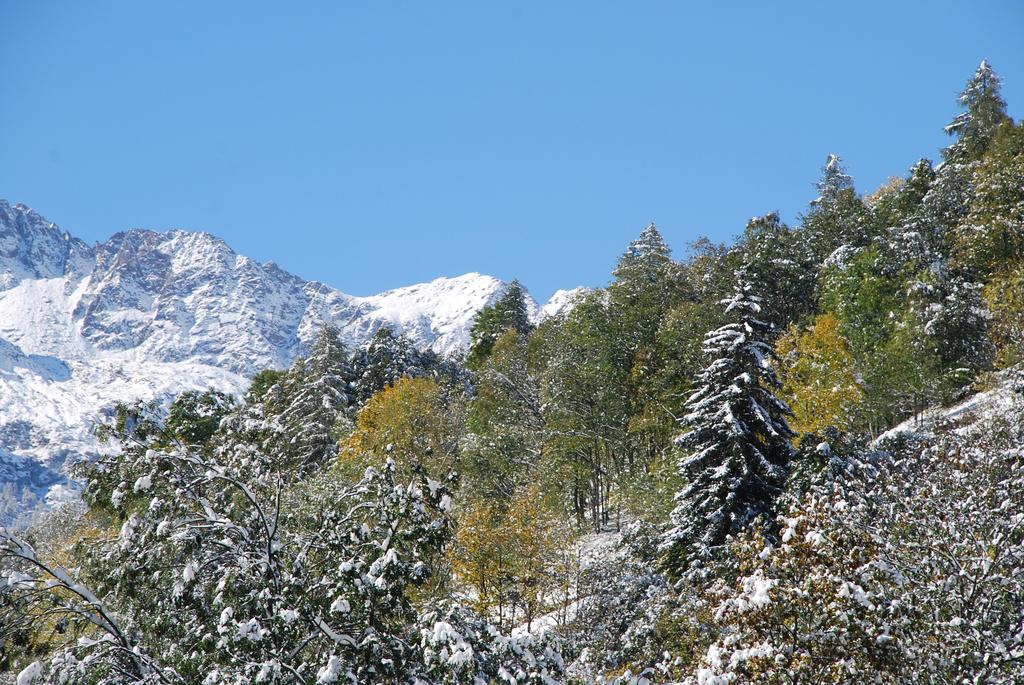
pixel 894 204
pixel 838 218
pixel 915 223
pixel 385 360
pixel 737 449
pixel 834 180
pixel 644 288
pixel 645 258
pixel 950 322
pixel 317 396
pixel 985 111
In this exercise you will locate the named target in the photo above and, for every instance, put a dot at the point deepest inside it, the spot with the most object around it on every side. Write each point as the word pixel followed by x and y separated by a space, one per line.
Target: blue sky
pixel 376 144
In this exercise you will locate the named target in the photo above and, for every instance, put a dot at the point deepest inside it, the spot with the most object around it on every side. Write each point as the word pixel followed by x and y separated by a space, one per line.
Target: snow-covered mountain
pixel 149 314
pixel 563 301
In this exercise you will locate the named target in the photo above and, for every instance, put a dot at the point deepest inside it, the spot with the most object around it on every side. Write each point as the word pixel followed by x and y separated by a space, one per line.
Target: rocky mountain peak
pixel 149 314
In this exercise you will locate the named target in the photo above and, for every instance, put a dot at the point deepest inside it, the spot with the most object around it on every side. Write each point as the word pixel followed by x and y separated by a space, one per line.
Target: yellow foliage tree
pixel 819 381
pixel 517 561
pixel 414 422
pixel 482 558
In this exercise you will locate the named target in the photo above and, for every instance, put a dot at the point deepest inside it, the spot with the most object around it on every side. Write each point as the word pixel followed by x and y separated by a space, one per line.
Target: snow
pixel 590 550
pixel 29 674
pixel 331 672
pixel 986 403
pixel 563 301
pixel 147 315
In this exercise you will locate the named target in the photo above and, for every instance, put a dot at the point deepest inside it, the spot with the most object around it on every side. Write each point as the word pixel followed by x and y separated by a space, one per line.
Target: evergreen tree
pixel 195 416
pixel 991 235
pixel 646 257
pixel 894 206
pixel 775 258
pixel 737 438
pixel 504 422
pixel 645 287
pixel 318 395
pixel 508 313
pixel 950 325
pixel 834 180
pixel 838 217
pixel 385 360
pixel 985 111
pixel 511 308
pixel 915 224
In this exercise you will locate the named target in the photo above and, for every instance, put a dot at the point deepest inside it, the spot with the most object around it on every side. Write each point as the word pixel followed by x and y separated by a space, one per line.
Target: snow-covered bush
pixel 914 573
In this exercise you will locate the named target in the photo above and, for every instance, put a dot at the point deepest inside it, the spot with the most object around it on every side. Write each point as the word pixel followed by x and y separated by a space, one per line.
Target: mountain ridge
pixel 148 314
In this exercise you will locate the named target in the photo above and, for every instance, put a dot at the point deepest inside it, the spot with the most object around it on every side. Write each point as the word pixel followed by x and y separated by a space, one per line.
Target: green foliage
pixel 261 384
pixel 985 111
pixel 838 218
pixel 493 321
pixel 775 258
pixel 894 205
pixel 195 416
pixel 585 402
pixel 504 423
pixel 992 234
pixel 886 305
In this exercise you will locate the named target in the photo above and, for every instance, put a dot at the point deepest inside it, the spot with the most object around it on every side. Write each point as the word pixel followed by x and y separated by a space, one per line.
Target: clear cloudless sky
pixel 371 145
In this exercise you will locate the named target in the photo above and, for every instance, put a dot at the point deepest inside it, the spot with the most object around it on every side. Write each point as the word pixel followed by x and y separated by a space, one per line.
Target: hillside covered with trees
pixel 689 477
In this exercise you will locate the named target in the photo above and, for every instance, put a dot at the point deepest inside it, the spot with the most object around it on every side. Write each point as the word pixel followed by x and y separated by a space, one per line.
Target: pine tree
pixel 991 236
pixel 949 323
pixel 508 313
pixel 838 217
pixel 985 111
pixel 776 257
pixel 648 283
pixel 385 360
pixel 645 258
pixel 896 206
pixel 916 222
pixel 511 308
pixel 317 396
pixel 644 289
pixel 834 180
pixel 737 438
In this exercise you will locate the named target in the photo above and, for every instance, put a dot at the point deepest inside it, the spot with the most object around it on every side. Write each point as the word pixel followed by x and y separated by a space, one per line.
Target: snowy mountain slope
pixel 563 301
pixel 994 401
pixel 147 314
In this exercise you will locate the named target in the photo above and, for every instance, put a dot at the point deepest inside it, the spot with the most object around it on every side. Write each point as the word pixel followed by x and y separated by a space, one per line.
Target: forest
pixel 692 476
